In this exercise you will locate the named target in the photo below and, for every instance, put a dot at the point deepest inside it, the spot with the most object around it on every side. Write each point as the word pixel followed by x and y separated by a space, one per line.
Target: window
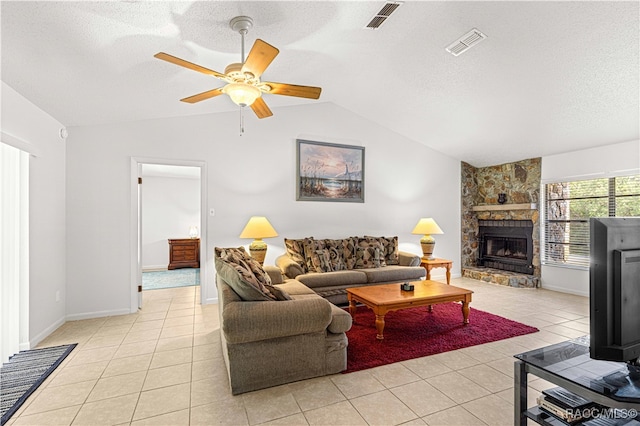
pixel 568 207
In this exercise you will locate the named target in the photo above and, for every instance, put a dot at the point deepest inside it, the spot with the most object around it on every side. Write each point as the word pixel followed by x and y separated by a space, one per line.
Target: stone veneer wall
pixel 481 186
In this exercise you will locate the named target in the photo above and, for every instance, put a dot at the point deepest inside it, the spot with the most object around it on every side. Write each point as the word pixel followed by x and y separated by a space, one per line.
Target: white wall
pixel 170 205
pixel 47 225
pixel 611 160
pixel 253 174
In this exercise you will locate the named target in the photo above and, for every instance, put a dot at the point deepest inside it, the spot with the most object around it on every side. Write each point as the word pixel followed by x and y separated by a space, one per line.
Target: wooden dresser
pixel 184 253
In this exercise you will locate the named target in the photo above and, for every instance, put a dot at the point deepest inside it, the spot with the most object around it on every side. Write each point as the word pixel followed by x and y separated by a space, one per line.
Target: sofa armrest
pixel 253 321
pixel 274 273
pixel 288 266
pixel 408 259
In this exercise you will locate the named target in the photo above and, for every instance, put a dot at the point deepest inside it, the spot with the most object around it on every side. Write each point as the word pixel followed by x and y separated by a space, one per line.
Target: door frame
pixel 136 241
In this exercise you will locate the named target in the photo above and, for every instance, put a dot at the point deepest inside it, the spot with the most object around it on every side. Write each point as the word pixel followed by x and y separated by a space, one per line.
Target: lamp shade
pixel 427 226
pixel 258 227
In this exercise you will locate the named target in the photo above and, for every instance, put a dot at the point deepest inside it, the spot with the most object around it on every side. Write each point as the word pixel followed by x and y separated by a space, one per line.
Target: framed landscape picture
pixel 329 172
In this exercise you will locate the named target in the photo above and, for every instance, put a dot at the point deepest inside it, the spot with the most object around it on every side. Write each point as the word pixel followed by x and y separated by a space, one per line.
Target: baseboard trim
pixel 98 314
pixel 442 276
pixel 33 342
pixel 154 268
pixel 564 290
pixel 211 300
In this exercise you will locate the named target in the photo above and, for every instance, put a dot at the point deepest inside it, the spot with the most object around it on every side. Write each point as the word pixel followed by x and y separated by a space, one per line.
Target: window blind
pixel 569 206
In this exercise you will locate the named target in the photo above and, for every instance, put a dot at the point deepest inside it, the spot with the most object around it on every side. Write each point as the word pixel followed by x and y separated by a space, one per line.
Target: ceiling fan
pixel 243 79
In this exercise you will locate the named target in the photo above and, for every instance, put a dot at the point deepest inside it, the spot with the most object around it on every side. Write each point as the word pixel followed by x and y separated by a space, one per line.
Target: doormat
pixel 24 372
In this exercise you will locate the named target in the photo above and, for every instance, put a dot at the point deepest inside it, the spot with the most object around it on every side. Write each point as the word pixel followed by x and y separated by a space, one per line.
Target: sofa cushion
pixel 249 274
pixel 369 255
pixel 275 274
pixel 244 289
pixel 389 248
pixel 295 288
pixel 310 247
pixel 367 242
pixel 394 273
pixel 336 254
pixel 279 293
pixel 321 261
pixel 248 265
pixel 327 279
pixel 349 251
pixel 295 250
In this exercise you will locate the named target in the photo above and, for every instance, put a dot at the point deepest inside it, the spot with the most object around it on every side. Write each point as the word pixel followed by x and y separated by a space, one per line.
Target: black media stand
pixel 569 366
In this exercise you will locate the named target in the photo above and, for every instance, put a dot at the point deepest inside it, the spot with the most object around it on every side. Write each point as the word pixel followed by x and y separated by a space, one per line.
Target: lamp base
pixel 258 250
pixel 428 243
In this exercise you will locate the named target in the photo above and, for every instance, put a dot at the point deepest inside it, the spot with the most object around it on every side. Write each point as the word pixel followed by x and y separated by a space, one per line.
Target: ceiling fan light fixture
pixel 242 94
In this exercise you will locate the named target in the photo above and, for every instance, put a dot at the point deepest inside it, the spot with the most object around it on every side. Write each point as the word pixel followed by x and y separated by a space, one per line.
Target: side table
pixel 429 264
pixel 184 253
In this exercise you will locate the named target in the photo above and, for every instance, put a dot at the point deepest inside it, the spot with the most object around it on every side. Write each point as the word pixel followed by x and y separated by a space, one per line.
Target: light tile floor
pixel 164 366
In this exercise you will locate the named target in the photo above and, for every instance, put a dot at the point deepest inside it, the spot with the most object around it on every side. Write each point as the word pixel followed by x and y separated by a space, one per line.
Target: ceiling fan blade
pixel 187 64
pixel 260 108
pixel 294 90
pixel 203 96
pixel 259 58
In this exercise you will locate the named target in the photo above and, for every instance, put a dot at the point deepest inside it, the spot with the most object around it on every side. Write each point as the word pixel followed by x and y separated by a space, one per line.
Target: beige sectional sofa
pixel 330 266
pixel 274 331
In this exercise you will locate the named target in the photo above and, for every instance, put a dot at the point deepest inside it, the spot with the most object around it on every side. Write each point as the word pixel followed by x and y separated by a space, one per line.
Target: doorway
pixel 14 250
pixel 169 207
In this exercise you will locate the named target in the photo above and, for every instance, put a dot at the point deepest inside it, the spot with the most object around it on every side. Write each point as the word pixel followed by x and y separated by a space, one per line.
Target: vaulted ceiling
pixel 550 77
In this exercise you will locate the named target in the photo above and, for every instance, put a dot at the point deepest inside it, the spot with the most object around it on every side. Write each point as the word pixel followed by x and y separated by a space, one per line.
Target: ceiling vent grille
pixel 380 17
pixel 465 42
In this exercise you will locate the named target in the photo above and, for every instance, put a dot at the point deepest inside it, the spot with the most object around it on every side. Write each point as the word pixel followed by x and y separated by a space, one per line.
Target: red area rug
pixel 415 332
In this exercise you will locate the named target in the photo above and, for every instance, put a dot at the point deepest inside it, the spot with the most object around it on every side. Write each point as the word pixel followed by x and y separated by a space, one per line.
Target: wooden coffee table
pixel 389 297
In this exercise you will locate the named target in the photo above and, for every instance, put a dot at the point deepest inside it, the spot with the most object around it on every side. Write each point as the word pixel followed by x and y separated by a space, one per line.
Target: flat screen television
pixel 614 290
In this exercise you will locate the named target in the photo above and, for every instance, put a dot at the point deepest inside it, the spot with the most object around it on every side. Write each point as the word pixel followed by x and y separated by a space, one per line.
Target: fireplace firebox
pixel 506 245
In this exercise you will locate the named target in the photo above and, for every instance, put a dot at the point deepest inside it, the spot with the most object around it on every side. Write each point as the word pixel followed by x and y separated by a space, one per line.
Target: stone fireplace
pixel 501 239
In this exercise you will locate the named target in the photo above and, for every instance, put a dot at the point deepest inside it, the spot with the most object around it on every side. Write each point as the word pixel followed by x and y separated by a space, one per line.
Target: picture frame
pixel 329 172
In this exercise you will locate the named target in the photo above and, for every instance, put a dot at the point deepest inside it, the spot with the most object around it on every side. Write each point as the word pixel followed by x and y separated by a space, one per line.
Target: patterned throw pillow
pixel 368 242
pixel 310 248
pixel 349 254
pixel 389 248
pixel 335 254
pixel 295 250
pixel 321 261
pixel 249 270
pixel 368 257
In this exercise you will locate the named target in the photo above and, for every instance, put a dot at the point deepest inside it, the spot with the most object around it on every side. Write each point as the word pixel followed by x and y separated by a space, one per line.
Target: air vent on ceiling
pixel 380 17
pixel 465 42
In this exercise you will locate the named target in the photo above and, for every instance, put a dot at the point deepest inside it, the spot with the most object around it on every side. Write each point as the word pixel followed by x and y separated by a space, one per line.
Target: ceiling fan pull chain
pixel 241 122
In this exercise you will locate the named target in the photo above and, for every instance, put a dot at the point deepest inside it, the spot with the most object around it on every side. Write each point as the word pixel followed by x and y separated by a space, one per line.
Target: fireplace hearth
pixel 506 245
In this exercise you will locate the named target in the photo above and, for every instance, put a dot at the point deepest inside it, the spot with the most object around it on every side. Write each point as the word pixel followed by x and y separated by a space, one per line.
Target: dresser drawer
pixel 189 254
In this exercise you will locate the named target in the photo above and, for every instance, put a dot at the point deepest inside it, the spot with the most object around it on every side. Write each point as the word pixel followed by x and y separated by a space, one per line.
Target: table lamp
pixel 258 228
pixel 426 227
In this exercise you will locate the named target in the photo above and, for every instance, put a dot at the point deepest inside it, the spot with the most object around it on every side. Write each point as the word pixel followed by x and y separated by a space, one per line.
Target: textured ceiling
pixel 551 77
